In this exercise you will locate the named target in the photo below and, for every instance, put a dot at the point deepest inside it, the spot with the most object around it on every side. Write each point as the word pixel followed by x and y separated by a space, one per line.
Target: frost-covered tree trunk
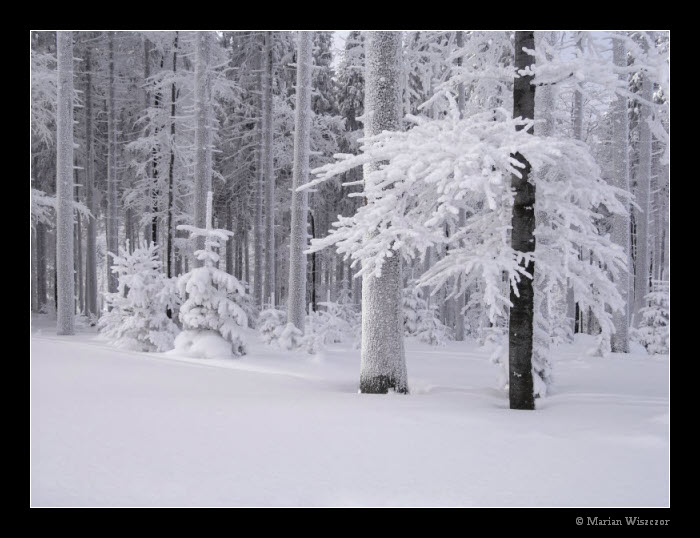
pixel 41 264
pixel 78 250
pixel 520 333
pixel 620 234
pixel 202 175
pixel 296 301
pixel 383 361
pixel 64 187
pixel 148 232
pixel 91 238
pixel 171 167
pixel 641 266
pixel 112 229
pixel 269 172
pixel 258 223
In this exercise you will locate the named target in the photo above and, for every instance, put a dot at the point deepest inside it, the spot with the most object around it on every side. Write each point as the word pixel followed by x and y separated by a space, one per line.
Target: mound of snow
pixel 204 344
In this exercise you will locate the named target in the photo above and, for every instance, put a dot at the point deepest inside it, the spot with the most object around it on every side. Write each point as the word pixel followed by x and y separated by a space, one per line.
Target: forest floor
pixel 117 428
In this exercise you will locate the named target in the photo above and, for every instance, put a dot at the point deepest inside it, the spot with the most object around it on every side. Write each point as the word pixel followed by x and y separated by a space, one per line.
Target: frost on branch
pixel 213 299
pixel 439 167
pixel 137 319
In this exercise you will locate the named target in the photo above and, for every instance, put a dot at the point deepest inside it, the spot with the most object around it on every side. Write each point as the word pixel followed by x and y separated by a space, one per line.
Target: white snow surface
pixel 110 427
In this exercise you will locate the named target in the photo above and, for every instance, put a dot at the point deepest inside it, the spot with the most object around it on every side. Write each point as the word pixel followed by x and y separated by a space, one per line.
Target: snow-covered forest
pixel 317 268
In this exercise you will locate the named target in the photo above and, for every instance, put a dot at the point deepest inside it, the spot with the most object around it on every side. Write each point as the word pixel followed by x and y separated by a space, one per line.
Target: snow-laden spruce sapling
pixel 137 318
pixel 212 314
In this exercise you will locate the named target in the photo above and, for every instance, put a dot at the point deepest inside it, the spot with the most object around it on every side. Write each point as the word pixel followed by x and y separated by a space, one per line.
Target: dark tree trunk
pixel 171 181
pixel 523 240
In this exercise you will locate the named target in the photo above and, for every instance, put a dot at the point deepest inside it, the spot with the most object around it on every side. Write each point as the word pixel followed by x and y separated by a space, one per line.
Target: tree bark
pixel 296 301
pixel 383 365
pixel 520 333
pixel 202 176
pixel 268 170
pixel 619 341
pixel 41 262
pixel 65 284
pixel 91 239
pixel 258 223
pixel 171 168
pixel 112 229
pixel 641 266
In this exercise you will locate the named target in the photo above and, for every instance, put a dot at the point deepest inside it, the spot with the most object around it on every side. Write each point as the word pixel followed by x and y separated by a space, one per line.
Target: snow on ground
pixel 121 428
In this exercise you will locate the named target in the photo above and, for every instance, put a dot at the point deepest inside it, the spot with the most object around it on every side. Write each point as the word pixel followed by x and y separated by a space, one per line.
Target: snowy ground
pixel 117 428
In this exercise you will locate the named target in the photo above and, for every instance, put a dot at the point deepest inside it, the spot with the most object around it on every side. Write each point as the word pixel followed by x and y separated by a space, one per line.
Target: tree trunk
pixel 112 229
pixel 171 168
pixel 65 284
pixel 641 266
pixel 520 331
pixel 258 224
pixel 383 364
pixel 314 305
pixel 91 242
pixel 202 176
pixel 268 171
pixel 619 341
pixel 148 230
pixel 41 262
pixel 78 253
pixel 296 302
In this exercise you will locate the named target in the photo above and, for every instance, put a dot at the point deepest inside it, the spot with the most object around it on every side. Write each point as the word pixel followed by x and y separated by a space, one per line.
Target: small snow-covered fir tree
pixel 654 331
pixel 137 319
pixel 421 318
pixel 271 324
pixel 412 304
pixel 212 313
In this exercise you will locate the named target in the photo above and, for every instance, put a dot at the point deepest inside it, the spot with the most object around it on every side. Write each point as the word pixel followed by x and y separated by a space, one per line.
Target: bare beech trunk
pixel 383 361
pixel 65 284
pixel 296 302
pixel 520 333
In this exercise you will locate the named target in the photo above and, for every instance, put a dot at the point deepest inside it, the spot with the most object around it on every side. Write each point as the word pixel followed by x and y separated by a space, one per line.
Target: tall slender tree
pixel 641 263
pixel 202 176
pixel 619 341
pixel 91 239
pixel 65 322
pixel 520 332
pixel 296 306
pixel 112 229
pixel 268 171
